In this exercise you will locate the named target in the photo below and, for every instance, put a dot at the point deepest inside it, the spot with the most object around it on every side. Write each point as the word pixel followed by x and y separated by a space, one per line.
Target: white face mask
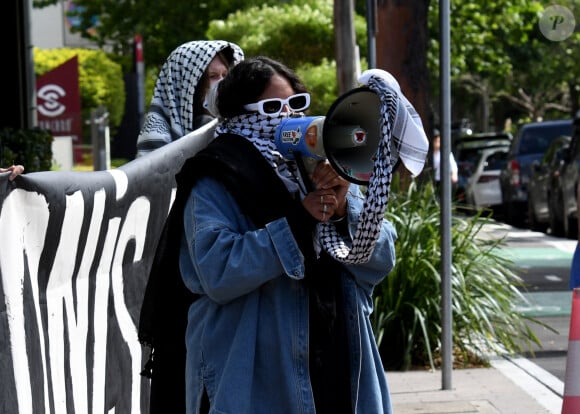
pixel 210 99
pixel 212 86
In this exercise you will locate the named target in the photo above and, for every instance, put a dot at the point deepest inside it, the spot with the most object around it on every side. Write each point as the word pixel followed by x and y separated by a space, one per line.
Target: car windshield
pixel 537 140
pixel 495 161
pixel 471 154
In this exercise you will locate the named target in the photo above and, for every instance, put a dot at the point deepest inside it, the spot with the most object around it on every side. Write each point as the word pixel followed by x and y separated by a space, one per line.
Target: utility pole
pixel 372 32
pixel 345 45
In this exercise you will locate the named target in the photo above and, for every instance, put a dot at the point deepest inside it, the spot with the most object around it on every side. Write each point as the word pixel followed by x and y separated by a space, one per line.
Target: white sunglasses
pixel 273 106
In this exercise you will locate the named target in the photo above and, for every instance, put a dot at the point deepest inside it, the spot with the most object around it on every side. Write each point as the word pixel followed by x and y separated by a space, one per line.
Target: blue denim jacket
pixel 247 336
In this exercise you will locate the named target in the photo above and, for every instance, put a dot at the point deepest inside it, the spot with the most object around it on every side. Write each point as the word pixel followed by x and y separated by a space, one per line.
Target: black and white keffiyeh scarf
pixel 370 220
pixel 170 114
pixel 260 131
pixel 402 136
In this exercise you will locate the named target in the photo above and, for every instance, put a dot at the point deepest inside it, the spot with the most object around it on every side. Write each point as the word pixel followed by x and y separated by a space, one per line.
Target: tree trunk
pixel 345 45
pixel 402 50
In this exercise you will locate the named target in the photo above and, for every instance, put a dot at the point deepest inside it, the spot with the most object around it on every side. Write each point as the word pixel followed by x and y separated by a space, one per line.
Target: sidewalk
pixel 510 386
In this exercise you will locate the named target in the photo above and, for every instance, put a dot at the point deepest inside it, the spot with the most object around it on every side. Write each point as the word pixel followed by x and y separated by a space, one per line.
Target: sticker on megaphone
pixel 305 136
pixel 300 135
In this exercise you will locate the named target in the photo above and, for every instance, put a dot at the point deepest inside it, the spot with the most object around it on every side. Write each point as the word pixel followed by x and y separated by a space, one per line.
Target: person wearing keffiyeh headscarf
pixel 280 322
pixel 178 103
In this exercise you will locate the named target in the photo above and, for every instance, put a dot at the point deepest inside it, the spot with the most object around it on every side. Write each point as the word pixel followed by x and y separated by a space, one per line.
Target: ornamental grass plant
pixel 484 288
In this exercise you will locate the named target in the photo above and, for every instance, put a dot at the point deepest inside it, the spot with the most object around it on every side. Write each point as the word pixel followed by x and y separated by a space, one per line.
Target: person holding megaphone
pixel 283 271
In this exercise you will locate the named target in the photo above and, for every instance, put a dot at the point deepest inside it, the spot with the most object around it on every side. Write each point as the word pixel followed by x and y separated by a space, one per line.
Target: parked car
pixel 545 174
pixel 530 143
pixel 483 190
pixel 563 204
pixel 467 151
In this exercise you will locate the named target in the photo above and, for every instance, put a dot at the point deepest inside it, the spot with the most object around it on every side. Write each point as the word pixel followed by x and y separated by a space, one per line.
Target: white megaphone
pixel 348 136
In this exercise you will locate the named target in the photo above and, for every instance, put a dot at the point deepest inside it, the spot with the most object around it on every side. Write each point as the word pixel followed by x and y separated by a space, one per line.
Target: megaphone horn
pixel 348 136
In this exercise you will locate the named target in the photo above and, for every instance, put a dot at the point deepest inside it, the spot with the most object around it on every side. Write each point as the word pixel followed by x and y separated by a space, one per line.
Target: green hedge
pixel 31 148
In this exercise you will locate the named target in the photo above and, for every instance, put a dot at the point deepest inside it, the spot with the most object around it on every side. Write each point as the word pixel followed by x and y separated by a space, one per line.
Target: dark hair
pixel 248 80
pixel 226 56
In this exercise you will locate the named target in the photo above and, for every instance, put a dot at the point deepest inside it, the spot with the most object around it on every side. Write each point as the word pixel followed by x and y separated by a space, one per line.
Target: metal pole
pixel 372 32
pixel 140 70
pixel 445 120
pixel 345 45
pixel 100 139
pixel 31 117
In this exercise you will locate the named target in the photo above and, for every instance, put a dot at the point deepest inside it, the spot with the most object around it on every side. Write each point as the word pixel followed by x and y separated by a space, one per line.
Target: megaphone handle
pixel 303 172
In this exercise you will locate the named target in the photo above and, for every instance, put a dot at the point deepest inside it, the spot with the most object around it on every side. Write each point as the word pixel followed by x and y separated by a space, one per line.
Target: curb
pixel 541 385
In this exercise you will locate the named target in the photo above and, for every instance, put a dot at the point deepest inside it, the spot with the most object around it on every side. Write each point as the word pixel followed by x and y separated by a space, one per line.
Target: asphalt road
pixel 543 262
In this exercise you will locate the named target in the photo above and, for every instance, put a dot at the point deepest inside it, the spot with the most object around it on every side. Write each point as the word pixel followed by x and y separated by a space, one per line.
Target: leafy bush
pixel 300 34
pixel 29 147
pixel 484 287
pixel 296 34
pixel 321 82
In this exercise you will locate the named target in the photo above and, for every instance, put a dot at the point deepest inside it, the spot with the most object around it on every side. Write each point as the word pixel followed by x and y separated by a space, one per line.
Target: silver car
pixel 483 189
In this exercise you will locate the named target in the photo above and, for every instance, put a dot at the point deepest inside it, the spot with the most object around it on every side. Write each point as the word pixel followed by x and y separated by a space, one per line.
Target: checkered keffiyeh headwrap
pixel 409 141
pixel 171 114
pixel 402 136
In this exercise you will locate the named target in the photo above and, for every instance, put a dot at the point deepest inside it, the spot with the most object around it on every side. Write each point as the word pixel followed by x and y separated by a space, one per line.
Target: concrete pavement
pixel 509 386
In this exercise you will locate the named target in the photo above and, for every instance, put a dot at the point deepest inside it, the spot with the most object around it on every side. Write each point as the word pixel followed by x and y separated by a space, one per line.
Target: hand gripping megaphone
pixel 348 136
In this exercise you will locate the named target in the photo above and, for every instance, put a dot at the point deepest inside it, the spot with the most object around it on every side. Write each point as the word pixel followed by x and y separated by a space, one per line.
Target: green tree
pixel 545 81
pixel 499 55
pixel 300 34
pixel 163 26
